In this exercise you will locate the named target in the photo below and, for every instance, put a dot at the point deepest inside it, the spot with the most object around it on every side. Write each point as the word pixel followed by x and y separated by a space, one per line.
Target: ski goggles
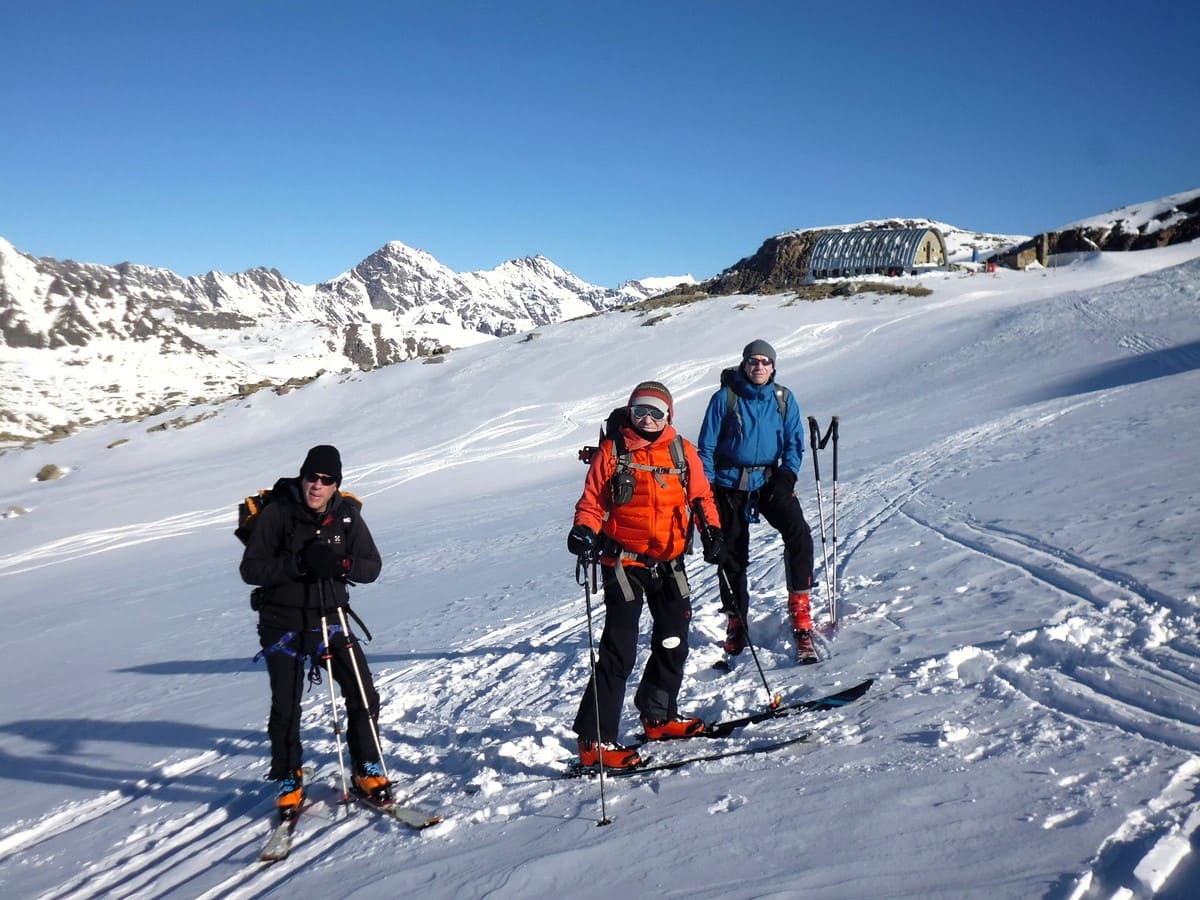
pixel 326 480
pixel 641 411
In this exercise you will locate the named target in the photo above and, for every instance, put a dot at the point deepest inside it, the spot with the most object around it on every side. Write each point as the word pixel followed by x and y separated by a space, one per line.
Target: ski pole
pixel 833 573
pixel 351 642
pixel 816 444
pixel 773 700
pixel 589 584
pixel 328 657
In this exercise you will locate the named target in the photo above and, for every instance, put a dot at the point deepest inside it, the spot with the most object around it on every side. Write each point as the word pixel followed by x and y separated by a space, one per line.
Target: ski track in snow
pixel 530 663
pixel 480 730
pixel 434 736
pixel 522 432
pixel 1051 665
pixel 1072 669
pixel 104 540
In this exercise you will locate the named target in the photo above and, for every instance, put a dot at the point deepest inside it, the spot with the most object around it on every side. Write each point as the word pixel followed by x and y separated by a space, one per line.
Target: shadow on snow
pixel 1143 367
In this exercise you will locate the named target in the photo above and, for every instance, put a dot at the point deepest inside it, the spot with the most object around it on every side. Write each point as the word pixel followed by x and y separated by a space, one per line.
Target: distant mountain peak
pixel 131 339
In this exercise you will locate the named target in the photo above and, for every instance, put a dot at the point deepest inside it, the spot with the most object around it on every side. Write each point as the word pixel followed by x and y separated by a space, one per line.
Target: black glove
pixel 716 551
pixel 323 561
pixel 581 541
pixel 783 484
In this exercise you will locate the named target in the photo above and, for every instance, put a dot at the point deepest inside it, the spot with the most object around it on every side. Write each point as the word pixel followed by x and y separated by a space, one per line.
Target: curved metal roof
pixel 869 250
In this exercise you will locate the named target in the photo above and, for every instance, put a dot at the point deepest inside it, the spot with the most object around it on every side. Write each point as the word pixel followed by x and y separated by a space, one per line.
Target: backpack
pixel 620 487
pixel 781 394
pixel 251 508
pixel 249 511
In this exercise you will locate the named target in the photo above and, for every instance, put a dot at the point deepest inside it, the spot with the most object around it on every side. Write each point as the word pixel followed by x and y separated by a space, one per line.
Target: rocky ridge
pixel 82 343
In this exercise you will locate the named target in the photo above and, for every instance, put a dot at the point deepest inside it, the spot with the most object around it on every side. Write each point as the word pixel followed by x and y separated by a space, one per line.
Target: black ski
pixel 577 770
pixel 832 701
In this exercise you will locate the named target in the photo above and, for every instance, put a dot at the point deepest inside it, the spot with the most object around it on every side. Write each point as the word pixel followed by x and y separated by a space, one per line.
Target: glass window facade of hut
pixel 880 251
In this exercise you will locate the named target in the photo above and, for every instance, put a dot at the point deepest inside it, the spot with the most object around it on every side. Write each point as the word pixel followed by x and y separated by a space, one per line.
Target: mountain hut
pixel 878 251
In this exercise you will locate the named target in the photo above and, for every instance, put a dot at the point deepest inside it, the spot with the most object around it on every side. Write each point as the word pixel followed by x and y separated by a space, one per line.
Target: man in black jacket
pixel 309 542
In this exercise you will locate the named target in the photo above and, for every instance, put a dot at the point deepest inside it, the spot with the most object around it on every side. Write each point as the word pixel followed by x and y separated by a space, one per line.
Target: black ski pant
pixel 785 516
pixel 658 691
pixel 286 668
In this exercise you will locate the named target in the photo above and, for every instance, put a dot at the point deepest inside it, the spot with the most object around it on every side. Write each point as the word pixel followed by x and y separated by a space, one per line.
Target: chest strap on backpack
pixel 657 471
pixel 678 459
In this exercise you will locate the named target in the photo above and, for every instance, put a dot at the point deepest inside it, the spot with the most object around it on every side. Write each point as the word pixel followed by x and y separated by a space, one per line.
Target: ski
pixel 577 770
pixel 832 701
pixel 279 843
pixel 408 815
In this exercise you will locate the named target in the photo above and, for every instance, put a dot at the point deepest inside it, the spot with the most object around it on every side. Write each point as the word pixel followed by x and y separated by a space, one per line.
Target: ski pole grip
pixel 698 513
pixel 834 428
pixel 813 431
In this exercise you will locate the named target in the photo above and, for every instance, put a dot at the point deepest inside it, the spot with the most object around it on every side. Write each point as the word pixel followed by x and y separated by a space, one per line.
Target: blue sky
pixel 620 140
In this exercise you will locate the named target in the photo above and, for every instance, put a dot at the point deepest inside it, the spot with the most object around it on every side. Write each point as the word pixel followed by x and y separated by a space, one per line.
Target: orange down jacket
pixel 654 523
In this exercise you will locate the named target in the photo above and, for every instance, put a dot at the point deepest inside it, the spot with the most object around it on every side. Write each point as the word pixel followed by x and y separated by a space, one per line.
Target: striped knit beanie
pixel 653 393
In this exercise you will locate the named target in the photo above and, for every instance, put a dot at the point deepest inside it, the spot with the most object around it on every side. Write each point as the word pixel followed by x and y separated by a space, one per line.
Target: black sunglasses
pixel 640 412
pixel 326 480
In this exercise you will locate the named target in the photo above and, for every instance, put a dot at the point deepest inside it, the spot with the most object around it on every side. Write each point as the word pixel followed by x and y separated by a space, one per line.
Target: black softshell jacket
pixel 286 525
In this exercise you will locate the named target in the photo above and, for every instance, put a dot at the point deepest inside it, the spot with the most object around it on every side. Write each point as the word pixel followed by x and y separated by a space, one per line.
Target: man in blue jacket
pixel 751 444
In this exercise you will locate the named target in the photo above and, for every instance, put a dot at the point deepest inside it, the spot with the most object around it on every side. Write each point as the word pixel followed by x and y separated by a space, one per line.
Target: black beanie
pixel 323 459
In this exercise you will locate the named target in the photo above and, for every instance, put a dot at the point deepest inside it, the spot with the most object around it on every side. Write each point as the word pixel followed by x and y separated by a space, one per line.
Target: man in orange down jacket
pixel 634 514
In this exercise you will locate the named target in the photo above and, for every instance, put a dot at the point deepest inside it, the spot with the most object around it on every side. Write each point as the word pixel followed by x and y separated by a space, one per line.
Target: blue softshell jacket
pixel 754 436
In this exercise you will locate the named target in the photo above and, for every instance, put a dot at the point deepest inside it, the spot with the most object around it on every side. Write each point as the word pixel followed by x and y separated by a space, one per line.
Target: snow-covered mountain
pixel 1017 567
pixel 417 290
pixel 82 343
pixel 1173 219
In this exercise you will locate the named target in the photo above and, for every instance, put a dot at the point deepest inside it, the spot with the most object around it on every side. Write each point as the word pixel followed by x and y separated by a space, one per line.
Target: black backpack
pixel 251 508
pixel 248 512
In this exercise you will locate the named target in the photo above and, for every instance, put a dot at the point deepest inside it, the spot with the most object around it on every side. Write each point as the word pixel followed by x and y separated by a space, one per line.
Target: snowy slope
pixel 1016 551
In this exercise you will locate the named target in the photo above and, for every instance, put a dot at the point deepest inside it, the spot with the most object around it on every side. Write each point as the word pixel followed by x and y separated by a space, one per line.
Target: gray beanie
pixel 758 348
